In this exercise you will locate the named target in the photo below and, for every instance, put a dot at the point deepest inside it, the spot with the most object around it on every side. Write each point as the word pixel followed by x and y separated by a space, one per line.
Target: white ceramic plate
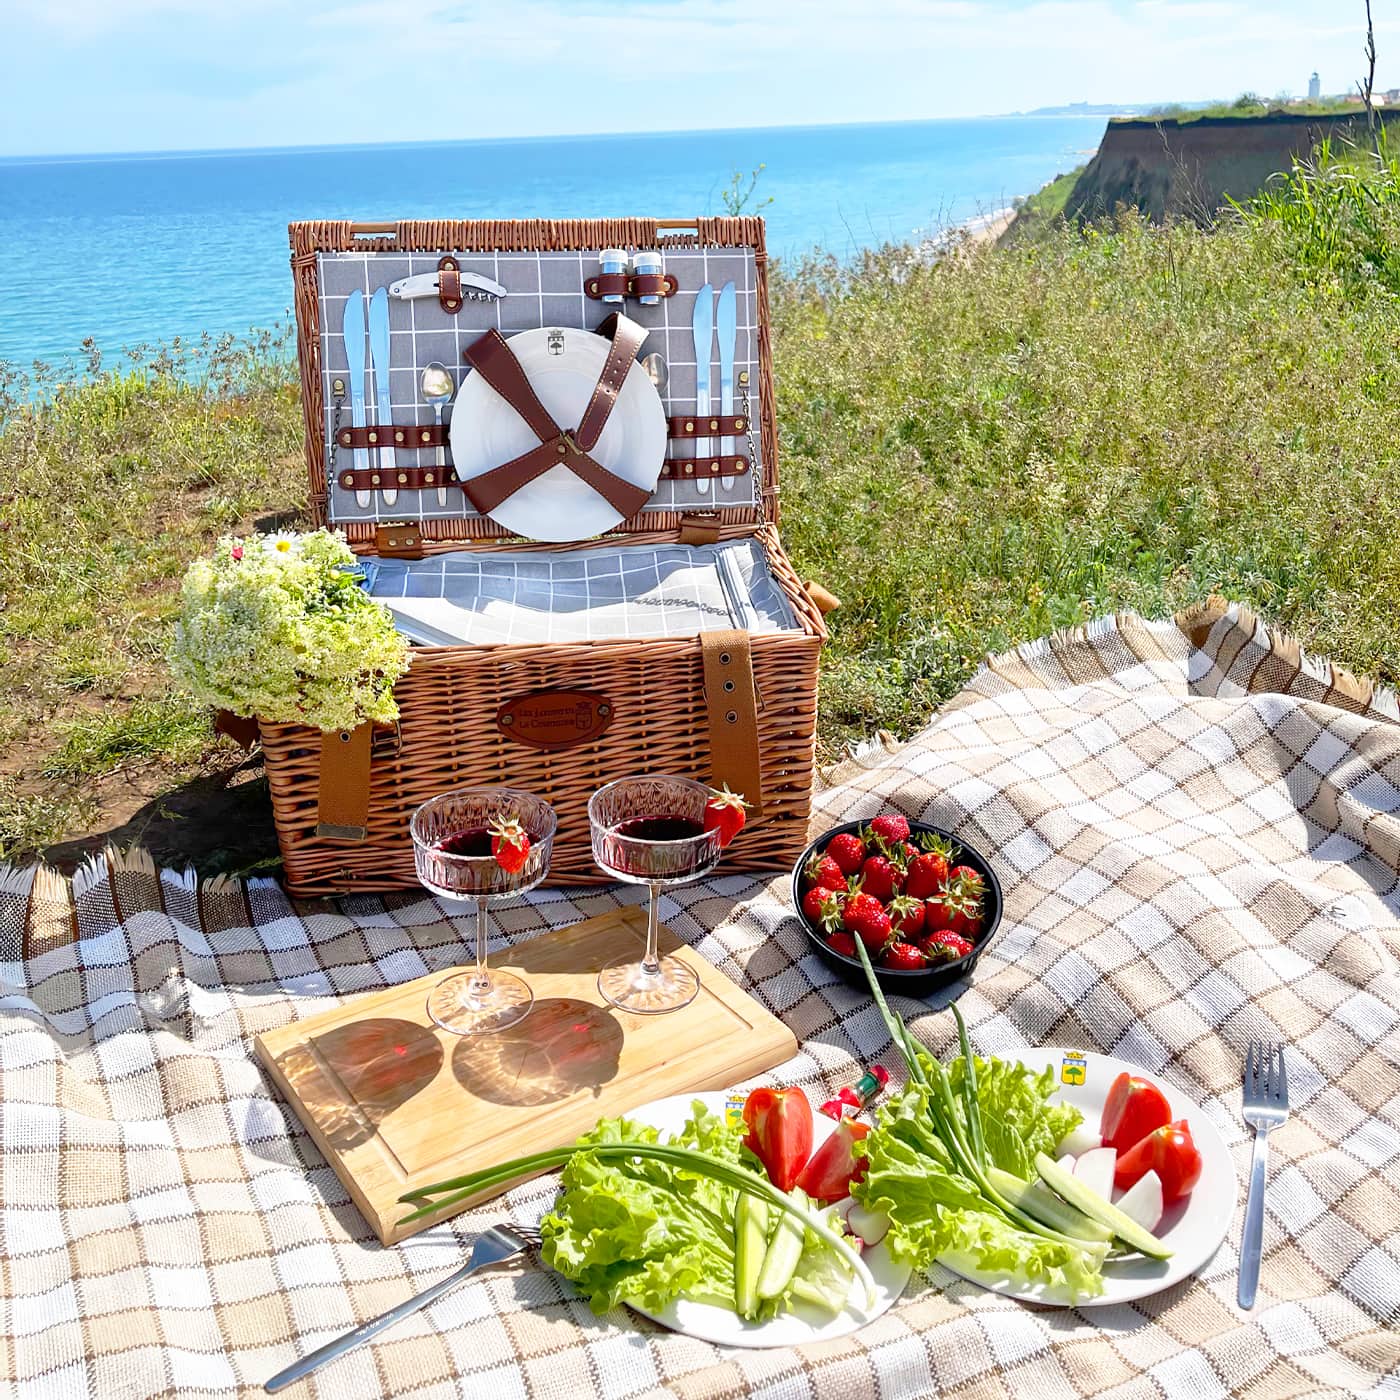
pixel 1193 1228
pixel 487 432
pixel 806 1324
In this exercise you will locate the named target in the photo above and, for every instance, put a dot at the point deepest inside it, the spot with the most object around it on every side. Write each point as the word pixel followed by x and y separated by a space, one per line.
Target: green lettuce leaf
pixel 643 1230
pixel 1019 1118
pixel 937 1214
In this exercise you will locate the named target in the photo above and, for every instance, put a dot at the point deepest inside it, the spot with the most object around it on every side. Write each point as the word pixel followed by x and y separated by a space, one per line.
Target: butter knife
pixel 379 353
pixel 727 326
pixel 703 329
pixel 353 331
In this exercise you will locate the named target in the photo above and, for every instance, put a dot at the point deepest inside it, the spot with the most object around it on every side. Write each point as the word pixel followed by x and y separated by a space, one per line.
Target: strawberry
pixel 891 827
pixel 509 844
pixel 902 957
pixel 865 917
pixel 955 910
pixel 945 947
pixel 847 850
pixel 928 873
pixel 881 877
pixel 822 907
pixel 971 881
pixel 841 942
pixel 822 870
pixel 907 917
pixel 724 812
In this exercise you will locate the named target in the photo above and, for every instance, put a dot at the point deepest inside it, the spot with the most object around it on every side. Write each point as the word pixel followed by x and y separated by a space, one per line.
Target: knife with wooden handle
pixel 379 354
pixel 352 330
pixel 702 329
pixel 727 328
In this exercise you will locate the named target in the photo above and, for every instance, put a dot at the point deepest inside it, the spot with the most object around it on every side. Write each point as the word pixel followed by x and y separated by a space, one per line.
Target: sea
pixel 136 250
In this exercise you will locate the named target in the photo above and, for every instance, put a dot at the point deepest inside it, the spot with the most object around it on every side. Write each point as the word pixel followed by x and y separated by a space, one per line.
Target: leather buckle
pixel 402 540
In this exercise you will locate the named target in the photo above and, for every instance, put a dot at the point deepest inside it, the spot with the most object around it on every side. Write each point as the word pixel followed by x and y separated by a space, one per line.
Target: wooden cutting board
pixel 394 1103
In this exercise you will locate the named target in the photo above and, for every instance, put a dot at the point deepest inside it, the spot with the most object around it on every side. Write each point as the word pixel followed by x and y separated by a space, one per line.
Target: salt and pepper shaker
pixel 855 1097
pixel 613 260
pixel 647 263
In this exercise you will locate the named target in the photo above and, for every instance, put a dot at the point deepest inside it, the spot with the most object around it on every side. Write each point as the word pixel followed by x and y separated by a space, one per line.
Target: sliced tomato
pixel 780 1132
pixel 837 1164
pixel 1134 1108
pixel 1168 1151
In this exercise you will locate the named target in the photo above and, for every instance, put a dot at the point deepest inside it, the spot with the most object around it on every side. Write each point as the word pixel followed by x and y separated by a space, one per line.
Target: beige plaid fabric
pixel 1198 831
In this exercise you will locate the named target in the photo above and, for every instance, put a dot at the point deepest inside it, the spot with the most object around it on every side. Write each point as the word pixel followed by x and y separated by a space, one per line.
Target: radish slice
pixel 1067 1162
pixel 1095 1170
pixel 1143 1201
pixel 1082 1139
pixel 871 1225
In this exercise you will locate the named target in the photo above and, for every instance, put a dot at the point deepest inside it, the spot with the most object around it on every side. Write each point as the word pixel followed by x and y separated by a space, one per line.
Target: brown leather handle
pixel 732 702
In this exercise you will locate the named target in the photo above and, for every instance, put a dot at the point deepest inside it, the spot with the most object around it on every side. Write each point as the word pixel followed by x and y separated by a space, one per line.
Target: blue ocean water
pixel 138 249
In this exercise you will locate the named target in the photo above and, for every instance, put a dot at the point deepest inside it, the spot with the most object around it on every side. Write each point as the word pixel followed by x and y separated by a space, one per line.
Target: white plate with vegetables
pixel 1151 1159
pixel 802 1321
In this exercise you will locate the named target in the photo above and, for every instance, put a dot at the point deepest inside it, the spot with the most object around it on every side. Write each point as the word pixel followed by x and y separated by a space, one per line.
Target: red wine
pixel 665 847
pixel 659 829
pixel 475 841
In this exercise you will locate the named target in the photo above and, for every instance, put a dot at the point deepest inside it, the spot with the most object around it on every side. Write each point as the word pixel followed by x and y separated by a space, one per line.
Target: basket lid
pixel 380 443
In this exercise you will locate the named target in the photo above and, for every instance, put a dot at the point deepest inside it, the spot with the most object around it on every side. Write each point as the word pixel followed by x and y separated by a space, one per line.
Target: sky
pixel 145 75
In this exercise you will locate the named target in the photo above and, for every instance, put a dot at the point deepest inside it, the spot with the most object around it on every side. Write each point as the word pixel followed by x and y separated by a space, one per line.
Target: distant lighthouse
pixel 1314 88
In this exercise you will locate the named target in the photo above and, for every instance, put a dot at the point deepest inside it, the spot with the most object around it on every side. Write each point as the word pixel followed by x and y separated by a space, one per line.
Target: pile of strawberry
pixel 909 903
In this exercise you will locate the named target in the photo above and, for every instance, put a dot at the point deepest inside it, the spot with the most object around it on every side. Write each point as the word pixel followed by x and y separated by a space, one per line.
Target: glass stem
pixel 651 961
pixel 481 980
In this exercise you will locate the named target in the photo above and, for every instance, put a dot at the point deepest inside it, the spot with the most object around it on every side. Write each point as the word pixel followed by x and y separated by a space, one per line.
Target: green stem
pixel 974 1107
pixel 702 1163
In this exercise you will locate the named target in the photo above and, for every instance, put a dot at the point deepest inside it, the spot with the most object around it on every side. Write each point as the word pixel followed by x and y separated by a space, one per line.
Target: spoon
pixel 655 366
pixel 437 390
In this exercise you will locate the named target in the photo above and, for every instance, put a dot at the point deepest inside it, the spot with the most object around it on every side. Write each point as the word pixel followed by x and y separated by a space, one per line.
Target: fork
pixel 493 1246
pixel 1265 1107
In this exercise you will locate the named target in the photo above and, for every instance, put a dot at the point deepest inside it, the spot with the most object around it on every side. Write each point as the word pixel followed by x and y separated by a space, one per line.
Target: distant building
pixel 1314 88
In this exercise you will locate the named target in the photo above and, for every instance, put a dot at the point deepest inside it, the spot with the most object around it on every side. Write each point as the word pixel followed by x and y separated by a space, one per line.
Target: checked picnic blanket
pixel 1198 832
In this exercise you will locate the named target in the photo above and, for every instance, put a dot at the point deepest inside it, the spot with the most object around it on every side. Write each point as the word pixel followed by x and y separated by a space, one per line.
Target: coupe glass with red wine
pixel 452 850
pixel 651 831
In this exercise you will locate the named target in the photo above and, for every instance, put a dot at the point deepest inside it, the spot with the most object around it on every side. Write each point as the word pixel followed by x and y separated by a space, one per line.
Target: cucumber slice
pixel 1092 1204
pixel 784 1250
pixel 750 1245
pixel 1035 1198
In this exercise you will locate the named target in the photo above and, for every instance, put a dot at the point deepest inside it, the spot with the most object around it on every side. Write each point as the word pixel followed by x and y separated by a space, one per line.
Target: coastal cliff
pixel 1185 169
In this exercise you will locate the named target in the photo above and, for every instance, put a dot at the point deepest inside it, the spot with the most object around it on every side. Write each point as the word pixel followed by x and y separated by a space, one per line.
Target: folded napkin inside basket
pixel 668 590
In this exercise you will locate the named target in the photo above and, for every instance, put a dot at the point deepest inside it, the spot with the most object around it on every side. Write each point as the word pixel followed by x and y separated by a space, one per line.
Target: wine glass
pixel 651 831
pixel 452 838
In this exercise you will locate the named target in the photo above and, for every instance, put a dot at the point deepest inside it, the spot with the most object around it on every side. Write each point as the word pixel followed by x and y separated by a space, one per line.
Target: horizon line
pixel 185 153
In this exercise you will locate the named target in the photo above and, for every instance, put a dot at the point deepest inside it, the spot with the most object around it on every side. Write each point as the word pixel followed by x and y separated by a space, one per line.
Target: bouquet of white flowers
pixel 276 626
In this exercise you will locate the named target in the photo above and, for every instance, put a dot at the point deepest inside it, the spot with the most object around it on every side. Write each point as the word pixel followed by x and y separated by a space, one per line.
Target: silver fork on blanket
pixel 1265 1107
pixel 493 1246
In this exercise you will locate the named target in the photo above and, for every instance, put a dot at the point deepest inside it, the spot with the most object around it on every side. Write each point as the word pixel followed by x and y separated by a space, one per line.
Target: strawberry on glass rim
pixel 510 844
pixel 725 813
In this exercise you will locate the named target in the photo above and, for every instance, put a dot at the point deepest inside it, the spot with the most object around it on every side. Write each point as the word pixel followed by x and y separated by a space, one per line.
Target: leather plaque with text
pixel 555 719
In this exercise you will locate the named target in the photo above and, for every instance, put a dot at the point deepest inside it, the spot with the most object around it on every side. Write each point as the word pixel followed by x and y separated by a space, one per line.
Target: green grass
pixel 975 451
pixel 1039 212
pixel 1251 104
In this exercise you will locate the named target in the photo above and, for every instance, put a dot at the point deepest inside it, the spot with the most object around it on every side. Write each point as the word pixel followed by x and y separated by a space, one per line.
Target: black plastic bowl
pixel 913 983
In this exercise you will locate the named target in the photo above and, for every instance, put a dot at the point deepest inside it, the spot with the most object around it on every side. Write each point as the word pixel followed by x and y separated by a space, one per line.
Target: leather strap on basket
pixel 492 358
pixel 342 804
pixel 732 702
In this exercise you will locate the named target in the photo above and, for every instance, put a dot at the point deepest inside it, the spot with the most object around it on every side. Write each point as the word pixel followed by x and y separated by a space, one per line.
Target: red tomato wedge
pixel 1134 1108
pixel 1170 1153
pixel 835 1165
pixel 780 1132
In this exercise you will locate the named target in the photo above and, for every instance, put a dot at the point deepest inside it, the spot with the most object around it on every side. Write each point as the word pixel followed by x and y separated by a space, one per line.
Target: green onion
pixel 460 1188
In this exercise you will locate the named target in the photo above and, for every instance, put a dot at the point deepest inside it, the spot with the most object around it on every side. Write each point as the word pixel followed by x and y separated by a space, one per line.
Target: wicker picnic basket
pixel 557 717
